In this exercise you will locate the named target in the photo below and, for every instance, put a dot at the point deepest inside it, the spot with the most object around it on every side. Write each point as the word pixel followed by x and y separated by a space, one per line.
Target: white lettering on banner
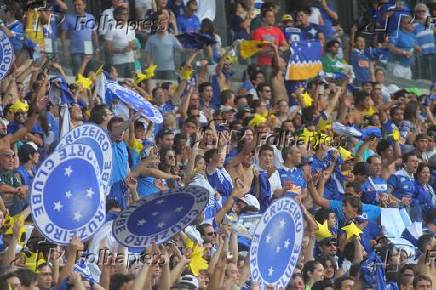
pixel 6 54
pixel 288 212
pixel 97 138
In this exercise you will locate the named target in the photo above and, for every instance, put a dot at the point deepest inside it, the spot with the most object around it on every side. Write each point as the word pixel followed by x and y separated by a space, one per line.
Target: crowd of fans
pixel 345 145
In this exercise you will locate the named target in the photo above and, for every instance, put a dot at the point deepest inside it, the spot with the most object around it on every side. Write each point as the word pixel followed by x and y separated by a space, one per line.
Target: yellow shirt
pixel 34 28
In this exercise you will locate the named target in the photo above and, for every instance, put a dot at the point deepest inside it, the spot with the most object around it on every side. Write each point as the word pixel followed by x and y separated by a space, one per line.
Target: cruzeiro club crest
pixel 67 199
pixel 276 244
pixel 6 54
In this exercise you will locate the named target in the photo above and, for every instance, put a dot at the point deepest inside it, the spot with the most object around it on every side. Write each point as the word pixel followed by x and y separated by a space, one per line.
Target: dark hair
pixel 420 278
pixel 331 43
pixel 6 109
pixel 226 95
pixel 407 267
pixel 321 285
pixel 309 267
pixel 305 9
pixel 253 74
pixel 118 280
pixel 421 167
pixel 393 110
pixel 423 242
pixel 201 228
pixel 407 155
pixel 25 152
pixel 209 154
pixel 203 85
pixel 111 204
pixel 265 147
pixel 15 10
pixel 261 86
pixel 354 201
pixel 286 151
pixel 118 11
pixel 322 214
pixel 339 280
pixel 114 120
pixel 263 12
pixel 191 119
pixel 27 277
pixel 369 160
pixel 382 146
pixel 207 27
pixel 98 113
pixel 410 110
pixel 359 97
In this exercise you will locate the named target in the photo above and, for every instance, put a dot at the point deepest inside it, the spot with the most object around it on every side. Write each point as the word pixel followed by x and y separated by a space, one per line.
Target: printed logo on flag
pixel 6 54
pixel 98 140
pixel 276 244
pixel 138 102
pixel 159 217
pixel 67 199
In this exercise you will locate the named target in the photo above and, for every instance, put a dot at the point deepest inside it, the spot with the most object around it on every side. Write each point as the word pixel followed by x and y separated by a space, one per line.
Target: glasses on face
pixel 421 11
pixel 20 113
pixel 210 234
pixel 171 156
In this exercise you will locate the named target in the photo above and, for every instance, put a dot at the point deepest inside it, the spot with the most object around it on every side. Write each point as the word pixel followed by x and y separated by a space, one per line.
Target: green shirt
pixel 9 178
pixel 332 65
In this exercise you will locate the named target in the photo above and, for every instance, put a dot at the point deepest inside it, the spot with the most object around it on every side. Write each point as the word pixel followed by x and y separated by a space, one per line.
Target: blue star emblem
pixel 67 198
pixel 99 141
pixel 159 217
pixel 276 243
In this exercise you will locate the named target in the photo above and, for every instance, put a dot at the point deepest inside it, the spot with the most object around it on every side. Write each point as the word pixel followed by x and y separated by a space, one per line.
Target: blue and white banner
pixel 276 244
pixel 6 55
pixel 99 141
pixel 67 199
pixel 159 217
pixel 138 103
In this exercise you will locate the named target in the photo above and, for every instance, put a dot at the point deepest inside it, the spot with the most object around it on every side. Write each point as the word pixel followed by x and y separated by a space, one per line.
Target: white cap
pixel 188 281
pixel 251 201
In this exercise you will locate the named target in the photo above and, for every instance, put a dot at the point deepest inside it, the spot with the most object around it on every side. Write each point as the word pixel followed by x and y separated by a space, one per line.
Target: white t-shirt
pixel 107 21
pixel 314 16
pixel 120 38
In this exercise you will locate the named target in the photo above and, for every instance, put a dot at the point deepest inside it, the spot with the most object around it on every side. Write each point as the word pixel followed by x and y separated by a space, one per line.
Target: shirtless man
pixel 241 167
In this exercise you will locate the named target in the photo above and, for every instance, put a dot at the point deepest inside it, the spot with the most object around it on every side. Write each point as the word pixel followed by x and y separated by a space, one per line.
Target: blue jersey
pixel 372 188
pixel 425 38
pixel 221 181
pixel 295 177
pixel 26 177
pixel 401 184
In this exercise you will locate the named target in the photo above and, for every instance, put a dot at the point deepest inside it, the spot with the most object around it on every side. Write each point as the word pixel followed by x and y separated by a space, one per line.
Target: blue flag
pixel 373 272
pixel 305 62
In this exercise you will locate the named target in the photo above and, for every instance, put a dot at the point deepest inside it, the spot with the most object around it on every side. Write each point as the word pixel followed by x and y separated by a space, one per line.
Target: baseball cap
pixel 327 241
pixel 244 108
pixel 287 17
pixel 226 109
pixel 187 281
pixel 251 201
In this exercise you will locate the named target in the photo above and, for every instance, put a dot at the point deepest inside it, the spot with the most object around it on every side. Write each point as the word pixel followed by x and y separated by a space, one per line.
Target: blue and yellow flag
pixel 305 62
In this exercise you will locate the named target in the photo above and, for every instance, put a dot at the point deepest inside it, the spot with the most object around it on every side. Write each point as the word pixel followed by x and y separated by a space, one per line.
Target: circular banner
pixel 67 199
pixel 6 54
pixel 159 217
pixel 276 244
pixel 96 138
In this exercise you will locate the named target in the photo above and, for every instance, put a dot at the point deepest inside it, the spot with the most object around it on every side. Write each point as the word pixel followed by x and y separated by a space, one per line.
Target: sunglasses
pixel 211 234
pixel 20 113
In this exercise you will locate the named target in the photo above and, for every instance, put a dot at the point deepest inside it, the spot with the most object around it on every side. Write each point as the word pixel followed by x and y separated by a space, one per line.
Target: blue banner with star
pixel 276 244
pixel 67 198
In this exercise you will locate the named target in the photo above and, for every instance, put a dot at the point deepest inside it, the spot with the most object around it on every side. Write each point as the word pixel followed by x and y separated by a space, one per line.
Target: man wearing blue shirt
pixel 402 47
pixel 291 176
pixel 425 36
pixel 402 183
pixel 374 188
pixel 189 22
pixel 79 26
pixel 120 161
